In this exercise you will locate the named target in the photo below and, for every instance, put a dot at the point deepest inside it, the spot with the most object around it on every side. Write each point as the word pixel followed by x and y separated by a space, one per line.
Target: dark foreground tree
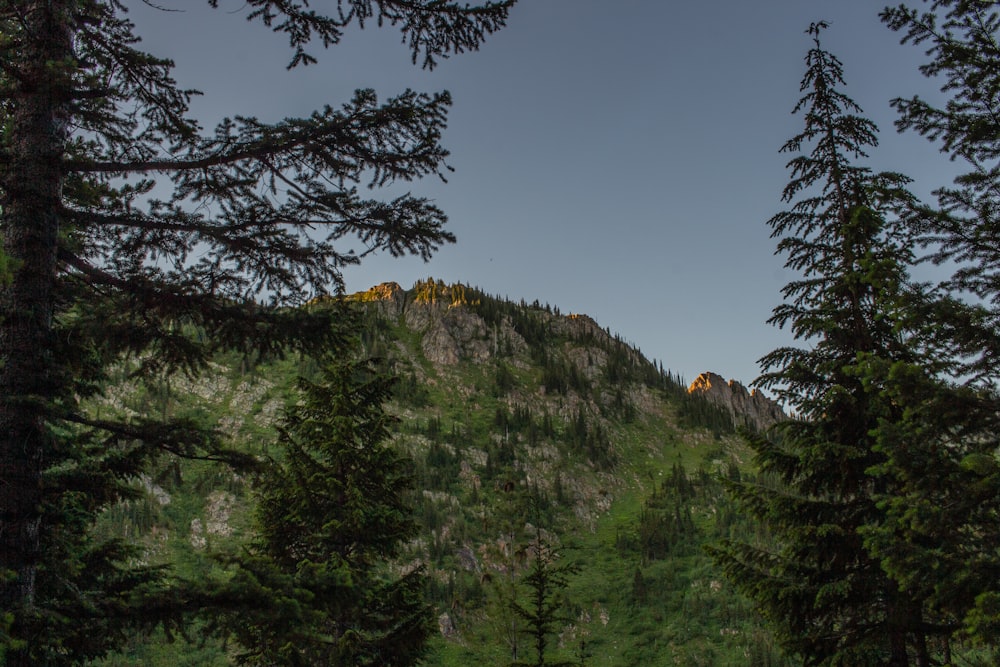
pixel 98 266
pixel 942 537
pixel 962 40
pixel 316 588
pixel 828 596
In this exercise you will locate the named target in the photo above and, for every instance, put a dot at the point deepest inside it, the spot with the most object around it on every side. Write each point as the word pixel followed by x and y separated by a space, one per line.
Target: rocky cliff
pixel 748 408
pixel 451 331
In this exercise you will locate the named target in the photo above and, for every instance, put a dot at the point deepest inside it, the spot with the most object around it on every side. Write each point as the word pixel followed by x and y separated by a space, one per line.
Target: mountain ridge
pixel 750 408
pixel 519 421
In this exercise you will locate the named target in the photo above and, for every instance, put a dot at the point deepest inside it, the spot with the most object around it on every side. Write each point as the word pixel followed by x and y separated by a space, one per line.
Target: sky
pixel 617 158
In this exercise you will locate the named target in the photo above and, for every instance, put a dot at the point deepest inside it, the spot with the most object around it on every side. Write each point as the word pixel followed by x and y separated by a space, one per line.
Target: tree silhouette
pixel 823 587
pixel 129 232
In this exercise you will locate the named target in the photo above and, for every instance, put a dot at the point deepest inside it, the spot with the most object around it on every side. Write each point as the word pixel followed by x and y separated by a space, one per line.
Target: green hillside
pixel 524 426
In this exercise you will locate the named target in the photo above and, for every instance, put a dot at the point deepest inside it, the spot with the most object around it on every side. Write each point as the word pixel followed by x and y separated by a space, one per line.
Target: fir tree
pixel 824 589
pixel 961 38
pixel 542 614
pixel 331 515
pixel 510 512
pixel 98 266
pixel 940 538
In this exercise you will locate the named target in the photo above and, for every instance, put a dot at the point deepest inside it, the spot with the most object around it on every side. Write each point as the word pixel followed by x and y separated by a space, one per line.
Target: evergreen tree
pixel 331 514
pixel 546 583
pixel 961 38
pixel 941 534
pixel 510 512
pixel 938 535
pixel 97 265
pixel 827 594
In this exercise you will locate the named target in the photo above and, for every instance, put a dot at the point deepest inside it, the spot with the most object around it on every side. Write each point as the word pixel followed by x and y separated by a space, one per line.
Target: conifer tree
pixel 827 594
pixel 331 515
pixel 510 511
pixel 961 38
pixel 128 232
pixel 545 582
pixel 941 534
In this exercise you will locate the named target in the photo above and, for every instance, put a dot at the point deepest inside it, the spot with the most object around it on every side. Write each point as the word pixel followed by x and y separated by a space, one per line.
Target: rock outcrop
pixel 389 298
pixel 450 329
pixel 748 408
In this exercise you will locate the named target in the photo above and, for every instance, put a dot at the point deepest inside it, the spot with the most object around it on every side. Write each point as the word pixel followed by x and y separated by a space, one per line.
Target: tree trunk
pixel 897 646
pixel 923 655
pixel 30 185
pixel 898 620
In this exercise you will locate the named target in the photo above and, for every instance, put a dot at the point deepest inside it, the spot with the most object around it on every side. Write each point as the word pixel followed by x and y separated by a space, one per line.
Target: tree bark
pixel 30 186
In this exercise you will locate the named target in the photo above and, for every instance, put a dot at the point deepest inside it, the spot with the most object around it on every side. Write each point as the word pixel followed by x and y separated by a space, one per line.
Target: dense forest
pixel 149 269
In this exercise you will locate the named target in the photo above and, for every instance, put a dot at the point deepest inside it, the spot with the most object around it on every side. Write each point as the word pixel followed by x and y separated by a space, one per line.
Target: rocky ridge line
pixel 748 408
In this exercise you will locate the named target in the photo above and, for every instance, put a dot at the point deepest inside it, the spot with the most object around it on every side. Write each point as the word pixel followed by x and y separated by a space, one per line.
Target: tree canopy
pixel 940 536
pixel 883 491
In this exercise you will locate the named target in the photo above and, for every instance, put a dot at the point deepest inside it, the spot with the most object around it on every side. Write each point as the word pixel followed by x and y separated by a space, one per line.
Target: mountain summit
pixel 748 408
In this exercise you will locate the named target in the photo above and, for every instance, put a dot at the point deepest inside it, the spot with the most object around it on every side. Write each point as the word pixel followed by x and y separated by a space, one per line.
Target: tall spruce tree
pixel 316 587
pixel 828 596
pixel 961 39
pixel 99 265
pixel 941 537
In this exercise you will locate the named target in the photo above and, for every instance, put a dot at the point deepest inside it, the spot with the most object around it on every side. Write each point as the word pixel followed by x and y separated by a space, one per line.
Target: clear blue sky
pixel 615 158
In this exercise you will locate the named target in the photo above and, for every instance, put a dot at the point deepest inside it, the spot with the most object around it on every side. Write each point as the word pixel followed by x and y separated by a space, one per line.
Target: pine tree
pixel 331 515
pixel 827 594
pixel 129 232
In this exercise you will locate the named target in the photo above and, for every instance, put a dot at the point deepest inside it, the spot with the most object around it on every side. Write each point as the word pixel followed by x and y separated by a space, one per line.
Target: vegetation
pixel 942 453
pixel 895 398
pixel 541 613
pixel 485 481
pixel 192 475
pixel 829 595
pixel 128 233
pixel 313 586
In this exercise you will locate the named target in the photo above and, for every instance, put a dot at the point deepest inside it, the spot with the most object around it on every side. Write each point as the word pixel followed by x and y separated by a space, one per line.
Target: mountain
pixel 522 423
pixel 748 408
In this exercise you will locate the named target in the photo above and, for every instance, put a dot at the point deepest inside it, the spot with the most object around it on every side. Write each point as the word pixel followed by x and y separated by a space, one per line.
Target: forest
pixel 148 266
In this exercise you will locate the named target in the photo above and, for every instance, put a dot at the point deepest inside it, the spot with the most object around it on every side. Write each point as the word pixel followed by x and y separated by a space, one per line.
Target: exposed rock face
pixel 450 335
pixel 446 626
pixel 451 331
pixel 752 408
pixel 389 297
pixel 579 324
